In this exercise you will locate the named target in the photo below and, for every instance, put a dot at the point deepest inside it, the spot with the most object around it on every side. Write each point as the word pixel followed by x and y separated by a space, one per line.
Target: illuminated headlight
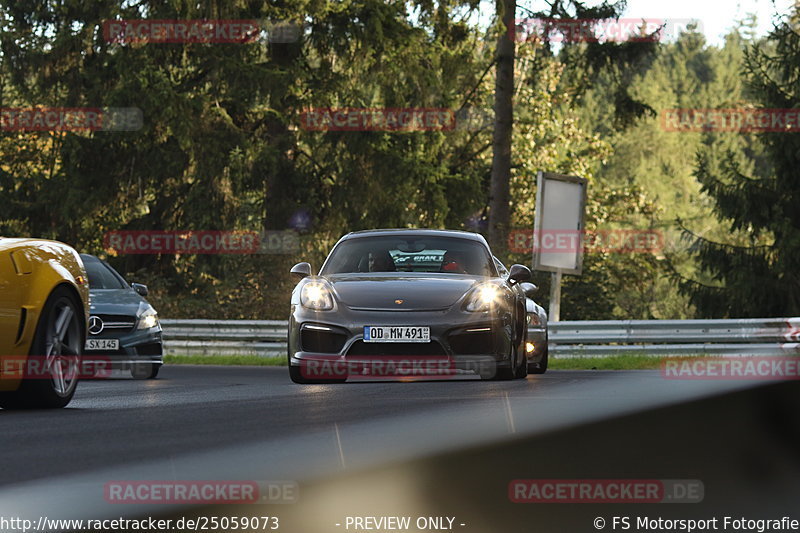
pixel 316 295
pixel 482 298
pixel 149 319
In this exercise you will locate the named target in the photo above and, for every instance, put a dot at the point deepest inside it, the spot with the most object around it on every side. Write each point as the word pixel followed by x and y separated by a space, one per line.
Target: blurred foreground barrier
pixel 583 338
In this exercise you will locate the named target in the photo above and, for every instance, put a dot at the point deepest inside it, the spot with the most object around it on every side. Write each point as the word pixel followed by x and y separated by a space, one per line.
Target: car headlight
pixel 482 298
pixel 148 319
pixel 533 319
pixel 316 295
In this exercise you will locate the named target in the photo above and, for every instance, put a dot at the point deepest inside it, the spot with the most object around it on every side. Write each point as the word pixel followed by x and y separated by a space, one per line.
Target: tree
pixel 221 147
pixel 685 73
pixel 499 188
pixel 585 62
pixel 760 277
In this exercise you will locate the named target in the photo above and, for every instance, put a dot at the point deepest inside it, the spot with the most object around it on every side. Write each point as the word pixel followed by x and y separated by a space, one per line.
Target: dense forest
pixel 224 143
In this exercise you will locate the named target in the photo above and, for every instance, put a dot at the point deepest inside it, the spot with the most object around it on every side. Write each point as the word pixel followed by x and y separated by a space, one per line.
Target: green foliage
pixel 758 274
pixel 690 74
pixel 222 147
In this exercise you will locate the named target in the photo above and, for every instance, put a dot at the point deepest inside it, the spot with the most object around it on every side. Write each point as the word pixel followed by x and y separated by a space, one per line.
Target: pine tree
pixel 762 276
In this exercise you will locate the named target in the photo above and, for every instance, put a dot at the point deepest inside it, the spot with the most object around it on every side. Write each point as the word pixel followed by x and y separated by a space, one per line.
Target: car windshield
pixel 102 276
pixel 410 253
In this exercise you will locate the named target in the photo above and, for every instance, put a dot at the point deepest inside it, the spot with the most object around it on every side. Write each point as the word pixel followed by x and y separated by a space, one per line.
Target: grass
pixel 617 362
pixel 229 360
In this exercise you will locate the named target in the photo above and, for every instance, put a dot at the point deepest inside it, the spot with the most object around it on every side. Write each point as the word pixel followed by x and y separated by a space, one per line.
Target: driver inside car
pixel 452 263
pixel 381 262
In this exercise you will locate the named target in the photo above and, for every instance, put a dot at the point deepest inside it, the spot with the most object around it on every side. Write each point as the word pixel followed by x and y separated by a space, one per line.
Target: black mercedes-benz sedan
pixel 123 327
pixel 406 304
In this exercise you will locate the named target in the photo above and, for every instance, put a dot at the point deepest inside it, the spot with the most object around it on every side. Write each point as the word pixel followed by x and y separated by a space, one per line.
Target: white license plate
pixel 102 344
pixel 397 334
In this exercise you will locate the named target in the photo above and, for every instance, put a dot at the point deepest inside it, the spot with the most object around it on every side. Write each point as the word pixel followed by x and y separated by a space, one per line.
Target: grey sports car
pixel 408 303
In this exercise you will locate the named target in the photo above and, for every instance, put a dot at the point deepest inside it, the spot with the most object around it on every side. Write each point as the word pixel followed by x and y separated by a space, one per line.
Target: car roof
pixel 417 231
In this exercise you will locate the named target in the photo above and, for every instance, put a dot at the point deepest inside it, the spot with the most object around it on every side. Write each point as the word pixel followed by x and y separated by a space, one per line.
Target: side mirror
pixel 519 273
pixel 529 289
pixel 140 289
pixel 301 269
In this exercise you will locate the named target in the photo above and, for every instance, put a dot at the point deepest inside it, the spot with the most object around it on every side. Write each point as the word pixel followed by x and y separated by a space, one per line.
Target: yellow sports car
pixel 44 309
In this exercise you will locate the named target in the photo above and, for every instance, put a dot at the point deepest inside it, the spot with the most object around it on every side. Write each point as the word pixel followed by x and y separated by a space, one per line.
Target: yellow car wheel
pixel 52 369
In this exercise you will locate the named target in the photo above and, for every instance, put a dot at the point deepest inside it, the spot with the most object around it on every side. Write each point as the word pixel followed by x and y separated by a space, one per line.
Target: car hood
pixel 115 302
pixel 414 292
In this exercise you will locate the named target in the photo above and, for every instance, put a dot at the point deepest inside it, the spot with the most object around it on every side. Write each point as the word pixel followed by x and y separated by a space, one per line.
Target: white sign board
pixel 559 223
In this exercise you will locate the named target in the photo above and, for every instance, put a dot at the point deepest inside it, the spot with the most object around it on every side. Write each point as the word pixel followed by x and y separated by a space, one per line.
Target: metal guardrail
pixel 600 338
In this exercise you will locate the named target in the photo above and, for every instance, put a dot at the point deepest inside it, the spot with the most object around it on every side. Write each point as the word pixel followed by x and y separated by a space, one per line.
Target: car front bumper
pixel 477 343
pixel 136 346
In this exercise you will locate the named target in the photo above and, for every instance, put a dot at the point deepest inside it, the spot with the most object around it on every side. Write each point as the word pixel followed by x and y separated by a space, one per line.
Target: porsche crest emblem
pixel 399 302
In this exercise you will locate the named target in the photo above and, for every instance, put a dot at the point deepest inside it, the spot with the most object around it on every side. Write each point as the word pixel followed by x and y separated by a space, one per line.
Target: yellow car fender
pixel 30 269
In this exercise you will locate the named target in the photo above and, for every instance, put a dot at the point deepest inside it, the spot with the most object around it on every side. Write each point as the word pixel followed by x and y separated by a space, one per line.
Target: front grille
pixel 479 342
pixel 396 348
pixel 117 323
pixel 321 341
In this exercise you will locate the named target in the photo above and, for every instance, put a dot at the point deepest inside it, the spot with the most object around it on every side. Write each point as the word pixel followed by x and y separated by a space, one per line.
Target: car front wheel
pixel 51 371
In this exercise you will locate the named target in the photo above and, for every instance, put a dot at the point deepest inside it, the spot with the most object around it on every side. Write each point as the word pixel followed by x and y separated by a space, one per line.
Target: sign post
pixel 558 230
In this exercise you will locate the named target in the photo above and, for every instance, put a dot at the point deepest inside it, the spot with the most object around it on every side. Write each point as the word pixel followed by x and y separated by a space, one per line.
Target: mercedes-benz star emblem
pixel 95 325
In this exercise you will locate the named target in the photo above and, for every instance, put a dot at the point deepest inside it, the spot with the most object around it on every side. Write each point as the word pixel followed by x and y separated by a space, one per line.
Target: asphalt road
pixel 123 423
pixel 192 408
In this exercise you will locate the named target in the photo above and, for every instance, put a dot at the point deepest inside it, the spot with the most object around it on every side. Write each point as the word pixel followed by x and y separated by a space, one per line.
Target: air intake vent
pixel 23 317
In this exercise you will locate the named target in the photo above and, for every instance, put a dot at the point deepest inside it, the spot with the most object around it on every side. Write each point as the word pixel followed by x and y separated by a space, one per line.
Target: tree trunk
pixel 499 188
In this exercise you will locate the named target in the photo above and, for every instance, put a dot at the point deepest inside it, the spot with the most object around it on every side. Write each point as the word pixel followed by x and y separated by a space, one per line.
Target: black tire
pixel 504 374
pixel 522 368
pixel 518 371
pixel 145 370
pixel 295 375
pixel 56 349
